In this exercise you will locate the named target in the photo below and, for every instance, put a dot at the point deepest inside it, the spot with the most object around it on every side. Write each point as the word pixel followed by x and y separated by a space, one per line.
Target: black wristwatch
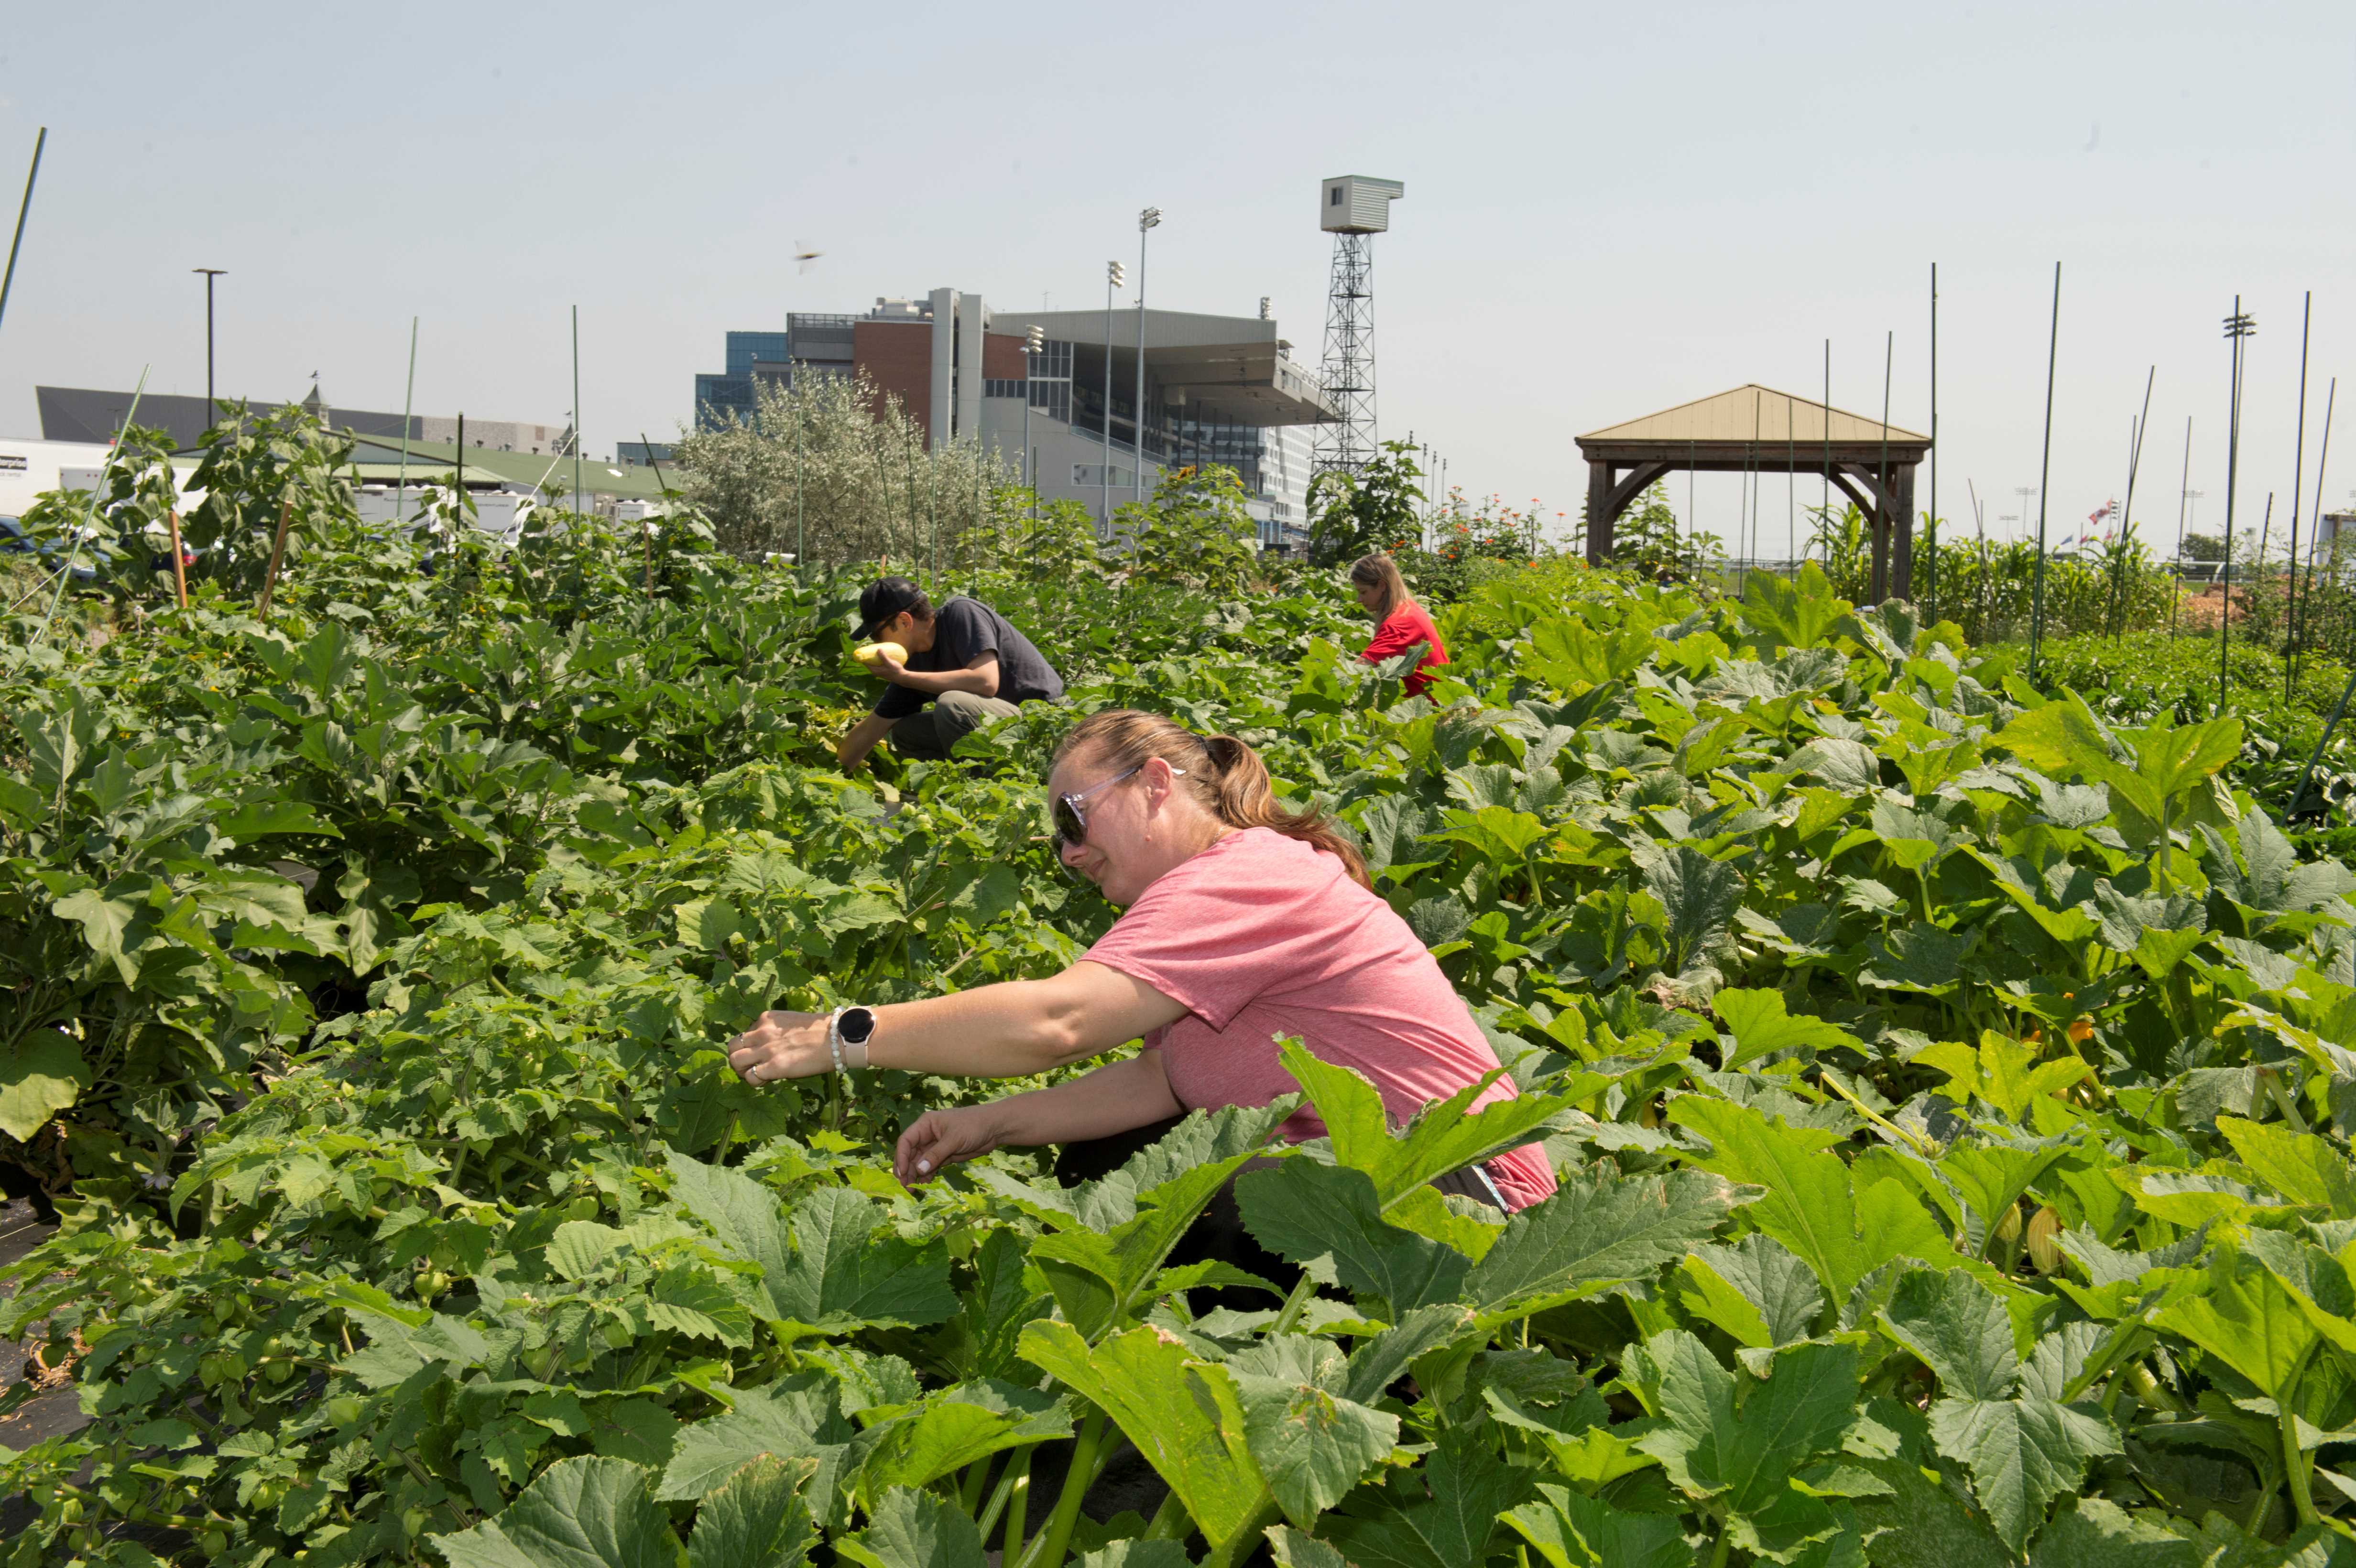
pixel 855 1027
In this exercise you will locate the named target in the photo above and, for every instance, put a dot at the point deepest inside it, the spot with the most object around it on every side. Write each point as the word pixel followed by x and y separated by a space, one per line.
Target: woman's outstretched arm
pixel 1009 1030
pixel 1112 1099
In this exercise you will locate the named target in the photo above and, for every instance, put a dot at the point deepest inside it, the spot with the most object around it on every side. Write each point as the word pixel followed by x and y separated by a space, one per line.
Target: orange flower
pixel 2082 1031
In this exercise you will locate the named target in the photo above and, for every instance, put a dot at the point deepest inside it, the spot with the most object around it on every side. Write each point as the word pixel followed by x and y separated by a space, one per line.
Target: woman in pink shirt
pixel 1242 923
pixel 1399 622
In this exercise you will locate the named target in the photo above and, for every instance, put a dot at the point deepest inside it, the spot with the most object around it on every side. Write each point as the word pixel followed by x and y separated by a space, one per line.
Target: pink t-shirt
pixel 1261 936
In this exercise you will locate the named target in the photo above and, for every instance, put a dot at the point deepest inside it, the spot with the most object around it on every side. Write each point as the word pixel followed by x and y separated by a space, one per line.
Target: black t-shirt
pixel 964 630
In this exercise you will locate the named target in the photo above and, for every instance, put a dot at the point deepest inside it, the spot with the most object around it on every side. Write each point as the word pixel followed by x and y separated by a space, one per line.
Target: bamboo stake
pixel 2045 479
pixel 277 552
pixel 2297 472
pixel 179 566
pixel 8 279
pixel 2315 532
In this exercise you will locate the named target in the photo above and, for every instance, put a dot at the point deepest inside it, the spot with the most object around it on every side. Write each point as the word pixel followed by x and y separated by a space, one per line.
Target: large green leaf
pixel 956 1428
pixel 1312 1444
pixel 2249 1321
pixel 2098 1533
pixel 1740 1443
pixel 588 1512
pixel 1810 1203
pixel 915 1529
pixel 756 1518
pixel 850 1272
pixel 2302 1166
pixel 1184 1415
pixel 44 1075
pixel 1328 1219
pixel 794 1418
pixel 1598 1229
pixel 2022 1451
pixel 1757 1290
pixel 1441 1138
pixel 1569 1530
pixel 1761 1026
pixel 1471 1490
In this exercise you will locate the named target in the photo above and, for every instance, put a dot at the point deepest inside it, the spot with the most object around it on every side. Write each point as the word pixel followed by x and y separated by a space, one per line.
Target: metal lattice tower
pixel 1352 209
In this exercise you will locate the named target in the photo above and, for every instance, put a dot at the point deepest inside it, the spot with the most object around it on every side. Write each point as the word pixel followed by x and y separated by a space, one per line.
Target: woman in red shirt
pixel 1243 922
pixel 1399 622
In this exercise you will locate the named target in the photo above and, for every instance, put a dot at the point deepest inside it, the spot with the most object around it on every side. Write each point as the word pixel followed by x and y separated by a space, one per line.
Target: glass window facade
pixel 744 347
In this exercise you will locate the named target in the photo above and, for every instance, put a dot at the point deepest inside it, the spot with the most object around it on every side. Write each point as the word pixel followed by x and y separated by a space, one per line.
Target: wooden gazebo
pixel 1757 430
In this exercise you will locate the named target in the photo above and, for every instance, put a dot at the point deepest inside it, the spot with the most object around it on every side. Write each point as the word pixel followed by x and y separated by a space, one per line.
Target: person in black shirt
pixel 965 659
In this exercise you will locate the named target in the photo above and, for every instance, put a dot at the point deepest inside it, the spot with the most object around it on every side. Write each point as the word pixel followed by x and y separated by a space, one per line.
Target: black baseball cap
pixel 885 598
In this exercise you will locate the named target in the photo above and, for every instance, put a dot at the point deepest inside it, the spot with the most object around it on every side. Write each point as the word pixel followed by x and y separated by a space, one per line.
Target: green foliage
pixel 1377 510
pixel 1948 1082
pixel 1193 534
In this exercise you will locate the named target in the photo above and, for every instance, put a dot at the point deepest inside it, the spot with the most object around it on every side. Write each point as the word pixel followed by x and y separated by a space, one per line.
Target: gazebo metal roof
pixel 1751 413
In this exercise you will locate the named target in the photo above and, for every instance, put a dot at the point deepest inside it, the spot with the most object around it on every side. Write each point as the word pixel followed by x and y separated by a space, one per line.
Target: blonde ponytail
pixel 1225 775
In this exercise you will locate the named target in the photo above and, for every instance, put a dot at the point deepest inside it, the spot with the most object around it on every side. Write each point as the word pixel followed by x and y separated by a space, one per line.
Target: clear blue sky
pixel 1606 213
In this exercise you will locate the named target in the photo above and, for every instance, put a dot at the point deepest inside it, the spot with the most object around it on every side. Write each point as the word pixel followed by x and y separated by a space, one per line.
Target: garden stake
pixel 408 400
pixel 2183 494
pixel 65 573
pixel 577 410
pixel 179 567
pixel 277 549
pixel 25 208
pixel 2298 472
pixel 2044 479
pixel 1885 538
pixel 2315 534
pixel 1930 556
pixel 2126 520
pixel 647 533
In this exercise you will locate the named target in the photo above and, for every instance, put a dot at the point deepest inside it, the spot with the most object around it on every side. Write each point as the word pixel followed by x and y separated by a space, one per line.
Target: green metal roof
pixel 530 469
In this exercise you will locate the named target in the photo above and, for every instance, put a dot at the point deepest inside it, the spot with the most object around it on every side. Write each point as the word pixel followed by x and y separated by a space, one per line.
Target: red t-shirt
pixel 1401 630
pixel 1261 936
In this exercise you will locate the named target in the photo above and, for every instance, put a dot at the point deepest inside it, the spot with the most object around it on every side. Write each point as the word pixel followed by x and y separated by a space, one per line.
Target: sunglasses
pixel 1069 817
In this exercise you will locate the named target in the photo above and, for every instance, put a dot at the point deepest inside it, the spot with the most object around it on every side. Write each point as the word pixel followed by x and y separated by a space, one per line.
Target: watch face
pixel 857 1023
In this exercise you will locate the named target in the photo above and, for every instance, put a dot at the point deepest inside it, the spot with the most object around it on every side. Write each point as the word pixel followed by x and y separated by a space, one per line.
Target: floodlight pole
pixel 1116 275
pixel 2238 327
pixel 1147 221
pixel 209 274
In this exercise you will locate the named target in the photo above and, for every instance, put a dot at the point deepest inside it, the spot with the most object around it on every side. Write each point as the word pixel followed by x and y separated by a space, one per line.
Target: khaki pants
pixel 929 735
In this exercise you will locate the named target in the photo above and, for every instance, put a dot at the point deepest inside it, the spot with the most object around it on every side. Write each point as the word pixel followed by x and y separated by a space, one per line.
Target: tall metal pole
pixel 577 408
pixel 2134 461
pixel 408 401
pixel 209 273
pixel 1790 490
pixel 802 547
pixel 2297 472
pixel 1826 516
pixel 22 208
pixel 1930 556
pixel 2238 326
pixel 1146 221
pixel 1113 280
pixel 2044 479
pixel 2315 532
pixel 2183 498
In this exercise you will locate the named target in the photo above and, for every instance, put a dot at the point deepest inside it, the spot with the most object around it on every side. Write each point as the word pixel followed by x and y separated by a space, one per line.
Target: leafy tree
pixel 2203 547
pixel 1649 540
pixel 1376 508
pixel 820 468
pixel 1195 533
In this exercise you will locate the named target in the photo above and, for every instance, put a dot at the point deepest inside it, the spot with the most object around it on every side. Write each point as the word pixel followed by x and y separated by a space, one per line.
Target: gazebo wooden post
pixel 1598 512
pixel 1903 544
pixel 1878 532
